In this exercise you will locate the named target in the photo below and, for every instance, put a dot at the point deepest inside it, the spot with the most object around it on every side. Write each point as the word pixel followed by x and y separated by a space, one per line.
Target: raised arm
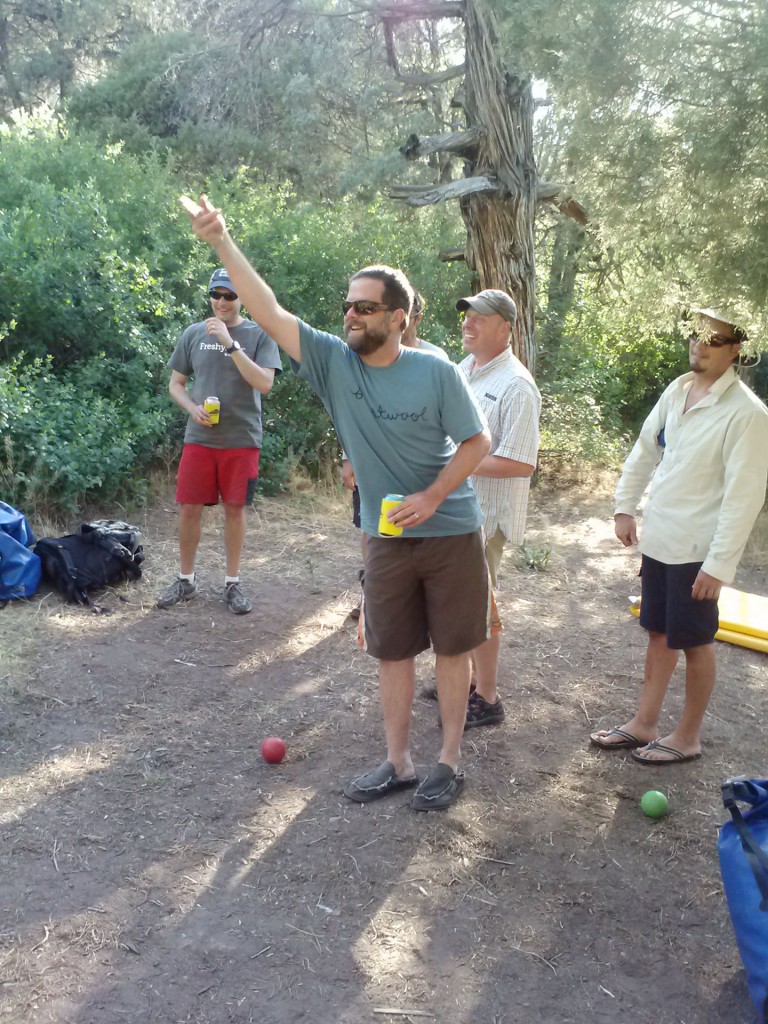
pixel 259 299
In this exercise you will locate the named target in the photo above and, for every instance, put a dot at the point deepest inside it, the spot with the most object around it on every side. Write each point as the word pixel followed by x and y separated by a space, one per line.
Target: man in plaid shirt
pixel 512 404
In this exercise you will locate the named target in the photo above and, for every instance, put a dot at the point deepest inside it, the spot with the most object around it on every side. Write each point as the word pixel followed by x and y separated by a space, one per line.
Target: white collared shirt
pixel 508 396
pixel 709 476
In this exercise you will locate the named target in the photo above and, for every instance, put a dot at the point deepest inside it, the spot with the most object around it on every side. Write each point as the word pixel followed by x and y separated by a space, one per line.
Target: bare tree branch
pixel 569 207
pixel 417 195
pixel 432 78
pixel 414 11
pixel 454 142
pixel 451 255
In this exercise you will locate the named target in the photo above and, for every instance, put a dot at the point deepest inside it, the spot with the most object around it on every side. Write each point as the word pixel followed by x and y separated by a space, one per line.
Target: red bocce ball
pixel 273 749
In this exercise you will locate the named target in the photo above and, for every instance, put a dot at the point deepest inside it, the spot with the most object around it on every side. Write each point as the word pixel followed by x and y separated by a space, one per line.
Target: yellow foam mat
pixel 743 613
pixel 743 618
pixel 730 636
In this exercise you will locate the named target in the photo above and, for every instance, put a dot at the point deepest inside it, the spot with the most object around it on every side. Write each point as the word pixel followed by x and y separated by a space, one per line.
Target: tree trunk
pixel 500 238
pixel 570 240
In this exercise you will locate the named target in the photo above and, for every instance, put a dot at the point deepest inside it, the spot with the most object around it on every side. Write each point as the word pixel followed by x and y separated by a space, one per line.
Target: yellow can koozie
pixel 387 529
pixel 213 407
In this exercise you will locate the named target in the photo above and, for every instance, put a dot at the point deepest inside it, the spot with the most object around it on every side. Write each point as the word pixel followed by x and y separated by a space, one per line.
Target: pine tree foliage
pixel 49 47
pixel 658 116
pixel 298 92
pixel 660 119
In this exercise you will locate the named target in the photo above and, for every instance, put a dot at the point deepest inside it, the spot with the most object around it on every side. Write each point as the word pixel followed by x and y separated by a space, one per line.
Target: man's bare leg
pixel 699 684
pixel 486 661
pixel 452 674
pixel 190 526
pixel 397 683
pixel 234 536
pixel 660 662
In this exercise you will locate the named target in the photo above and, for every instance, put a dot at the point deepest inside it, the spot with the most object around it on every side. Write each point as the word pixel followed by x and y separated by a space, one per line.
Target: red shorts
pixel 207 473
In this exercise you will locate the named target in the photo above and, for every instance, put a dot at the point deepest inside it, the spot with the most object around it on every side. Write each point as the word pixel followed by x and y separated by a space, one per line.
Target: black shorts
pixel 356 508
pixel 667 606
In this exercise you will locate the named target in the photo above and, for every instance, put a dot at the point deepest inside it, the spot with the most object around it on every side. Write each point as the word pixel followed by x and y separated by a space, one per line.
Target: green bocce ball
pixel 654 804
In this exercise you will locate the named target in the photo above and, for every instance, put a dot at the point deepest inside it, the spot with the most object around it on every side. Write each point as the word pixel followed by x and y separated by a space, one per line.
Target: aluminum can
pixel 387 529
pixel 213 407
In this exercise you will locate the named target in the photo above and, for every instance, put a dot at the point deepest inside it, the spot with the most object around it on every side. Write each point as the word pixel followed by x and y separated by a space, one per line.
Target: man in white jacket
pixel 706 446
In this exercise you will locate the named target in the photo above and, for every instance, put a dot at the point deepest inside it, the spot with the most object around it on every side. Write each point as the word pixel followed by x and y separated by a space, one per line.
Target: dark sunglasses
pixel 712 340
pixel 223 296
pixel 363 308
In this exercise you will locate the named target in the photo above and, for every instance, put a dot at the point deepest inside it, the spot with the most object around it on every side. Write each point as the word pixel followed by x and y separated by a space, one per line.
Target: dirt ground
pixel 154 868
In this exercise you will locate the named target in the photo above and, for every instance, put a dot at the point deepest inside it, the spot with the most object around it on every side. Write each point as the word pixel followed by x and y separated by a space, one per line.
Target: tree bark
pixel 497 195
pixel 500 237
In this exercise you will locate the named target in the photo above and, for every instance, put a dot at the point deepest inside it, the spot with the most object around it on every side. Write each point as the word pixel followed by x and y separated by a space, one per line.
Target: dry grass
pixel 581 480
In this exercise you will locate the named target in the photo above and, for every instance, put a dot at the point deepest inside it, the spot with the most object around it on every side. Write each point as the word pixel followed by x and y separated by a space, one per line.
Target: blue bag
pixel 743 850
pixel 20 568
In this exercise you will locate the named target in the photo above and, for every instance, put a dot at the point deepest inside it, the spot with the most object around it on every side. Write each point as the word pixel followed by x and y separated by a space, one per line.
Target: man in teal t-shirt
pixel 410 340
pixel 410 426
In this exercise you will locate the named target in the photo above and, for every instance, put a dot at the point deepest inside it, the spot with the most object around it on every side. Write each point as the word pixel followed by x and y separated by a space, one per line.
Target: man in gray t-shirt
pixel 232 359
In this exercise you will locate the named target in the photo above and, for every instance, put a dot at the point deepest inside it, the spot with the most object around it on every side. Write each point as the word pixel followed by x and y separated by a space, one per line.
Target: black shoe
pixel 377 783
pixel 481 712
pixel 439 789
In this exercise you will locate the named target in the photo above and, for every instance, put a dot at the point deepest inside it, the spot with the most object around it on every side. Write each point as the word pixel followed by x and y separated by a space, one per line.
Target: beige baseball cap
pixel 492 300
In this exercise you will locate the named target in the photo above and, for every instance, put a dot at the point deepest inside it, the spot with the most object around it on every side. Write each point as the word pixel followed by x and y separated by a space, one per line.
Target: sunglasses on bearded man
pixel 363 308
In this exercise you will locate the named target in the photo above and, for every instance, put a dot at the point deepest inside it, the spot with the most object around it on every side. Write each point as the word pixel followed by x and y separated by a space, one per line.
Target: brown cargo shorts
pixel 424 590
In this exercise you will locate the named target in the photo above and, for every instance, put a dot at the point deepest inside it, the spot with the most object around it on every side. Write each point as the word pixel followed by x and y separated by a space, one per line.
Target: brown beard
pixel 368 342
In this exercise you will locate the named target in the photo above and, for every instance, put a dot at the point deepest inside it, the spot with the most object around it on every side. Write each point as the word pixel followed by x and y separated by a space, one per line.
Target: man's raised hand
pixel 206 220
pixel 219 330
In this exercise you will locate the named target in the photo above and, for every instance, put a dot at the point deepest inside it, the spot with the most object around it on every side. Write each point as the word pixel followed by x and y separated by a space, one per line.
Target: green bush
pixel 88 304
pixel 610 368
pixel 573 426
pixel 627 359
pixel 64 436
pixel 99 274
pixel 89 255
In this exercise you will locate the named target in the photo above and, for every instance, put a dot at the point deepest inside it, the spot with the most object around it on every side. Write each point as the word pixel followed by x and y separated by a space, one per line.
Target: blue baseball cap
pixel 220 279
